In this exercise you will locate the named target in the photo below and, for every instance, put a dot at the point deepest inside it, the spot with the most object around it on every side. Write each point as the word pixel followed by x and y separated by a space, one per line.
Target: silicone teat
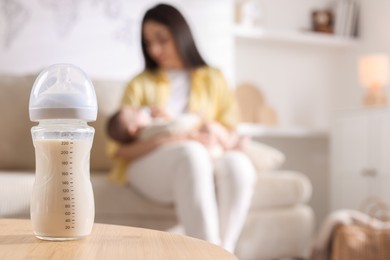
pixel 63 91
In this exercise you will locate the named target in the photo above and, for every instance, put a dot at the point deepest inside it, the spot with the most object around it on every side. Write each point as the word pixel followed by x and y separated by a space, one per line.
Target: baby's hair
pixel 117 130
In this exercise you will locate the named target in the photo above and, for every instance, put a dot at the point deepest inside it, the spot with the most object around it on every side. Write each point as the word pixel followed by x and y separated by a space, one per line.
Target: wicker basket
pixel 363 242
pixel 353 242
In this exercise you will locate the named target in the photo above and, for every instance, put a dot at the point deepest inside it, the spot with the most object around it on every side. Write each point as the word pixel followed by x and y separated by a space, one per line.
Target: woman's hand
pixel 135 119
pixel 158 112
pixel 212 133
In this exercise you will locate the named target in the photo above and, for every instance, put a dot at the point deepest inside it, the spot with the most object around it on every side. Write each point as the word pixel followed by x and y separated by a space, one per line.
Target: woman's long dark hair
pixel 178 26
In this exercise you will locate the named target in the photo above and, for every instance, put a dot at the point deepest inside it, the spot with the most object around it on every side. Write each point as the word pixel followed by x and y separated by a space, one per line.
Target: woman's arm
pixel 142 147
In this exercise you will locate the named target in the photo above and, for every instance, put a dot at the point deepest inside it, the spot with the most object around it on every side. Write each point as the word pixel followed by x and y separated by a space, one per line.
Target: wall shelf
pixel 259 130
pixel 297 37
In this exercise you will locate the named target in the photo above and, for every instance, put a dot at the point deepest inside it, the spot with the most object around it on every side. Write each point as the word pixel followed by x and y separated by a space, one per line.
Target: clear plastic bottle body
pixel 62 203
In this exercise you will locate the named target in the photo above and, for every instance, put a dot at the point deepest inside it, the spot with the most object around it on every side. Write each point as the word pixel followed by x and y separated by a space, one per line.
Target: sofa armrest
pixel 280 189
pixel 15 194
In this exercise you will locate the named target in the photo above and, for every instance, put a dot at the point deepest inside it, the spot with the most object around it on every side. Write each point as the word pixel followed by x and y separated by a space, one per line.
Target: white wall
pixel 101 36
pixel 297 79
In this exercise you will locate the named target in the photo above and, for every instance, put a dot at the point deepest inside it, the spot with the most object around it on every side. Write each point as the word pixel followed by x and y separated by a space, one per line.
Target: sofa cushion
pixel 111 199
pixel 15 194
pixel 281 188
pixel 273 189
pixel 276 189
pixel 263 157
pixel 127 200
pixel 16 149
pixel 278 232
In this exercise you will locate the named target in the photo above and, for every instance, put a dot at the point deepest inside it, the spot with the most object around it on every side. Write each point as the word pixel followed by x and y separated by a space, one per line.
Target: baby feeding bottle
pixel 62 101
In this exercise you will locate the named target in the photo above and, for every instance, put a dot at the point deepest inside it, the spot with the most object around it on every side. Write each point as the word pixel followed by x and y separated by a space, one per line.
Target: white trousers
pixel 211 198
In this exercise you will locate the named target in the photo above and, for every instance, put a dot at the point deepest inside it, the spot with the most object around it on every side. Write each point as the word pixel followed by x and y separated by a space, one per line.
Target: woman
pixel 178 169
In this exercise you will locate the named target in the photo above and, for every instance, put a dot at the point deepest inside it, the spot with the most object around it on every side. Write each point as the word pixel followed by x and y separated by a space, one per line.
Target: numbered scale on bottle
pixel 66 153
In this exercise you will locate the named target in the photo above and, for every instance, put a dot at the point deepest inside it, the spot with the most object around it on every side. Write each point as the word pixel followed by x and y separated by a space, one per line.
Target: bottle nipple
pixel 63 91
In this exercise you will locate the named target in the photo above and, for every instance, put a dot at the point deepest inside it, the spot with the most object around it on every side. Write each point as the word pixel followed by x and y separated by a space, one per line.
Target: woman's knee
pixel 237 166
pixel 193 150
pixel 196 156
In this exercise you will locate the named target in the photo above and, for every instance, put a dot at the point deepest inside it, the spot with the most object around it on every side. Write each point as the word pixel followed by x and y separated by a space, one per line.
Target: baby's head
pixel 125 124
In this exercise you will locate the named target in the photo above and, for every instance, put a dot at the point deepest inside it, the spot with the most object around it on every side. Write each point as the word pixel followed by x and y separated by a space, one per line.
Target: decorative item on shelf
pixel 346 14
pixel 374 74
pixel 322 21
pixel 253 107
pixel 250 13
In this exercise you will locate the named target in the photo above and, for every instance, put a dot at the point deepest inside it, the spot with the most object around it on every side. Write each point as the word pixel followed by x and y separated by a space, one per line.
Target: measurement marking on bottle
pixel 67 182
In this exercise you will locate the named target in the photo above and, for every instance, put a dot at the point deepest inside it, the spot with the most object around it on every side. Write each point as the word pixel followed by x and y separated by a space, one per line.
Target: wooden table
pixel 106 242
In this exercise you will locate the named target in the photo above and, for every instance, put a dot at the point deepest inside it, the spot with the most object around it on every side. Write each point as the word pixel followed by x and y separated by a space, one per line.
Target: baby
pixel 129 124
pixel 126 123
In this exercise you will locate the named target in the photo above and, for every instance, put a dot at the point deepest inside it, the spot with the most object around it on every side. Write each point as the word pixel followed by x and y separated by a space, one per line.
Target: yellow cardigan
pixel 209 94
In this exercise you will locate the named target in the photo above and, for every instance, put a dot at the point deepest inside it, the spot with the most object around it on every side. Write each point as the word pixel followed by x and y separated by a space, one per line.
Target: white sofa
pixel 280 224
